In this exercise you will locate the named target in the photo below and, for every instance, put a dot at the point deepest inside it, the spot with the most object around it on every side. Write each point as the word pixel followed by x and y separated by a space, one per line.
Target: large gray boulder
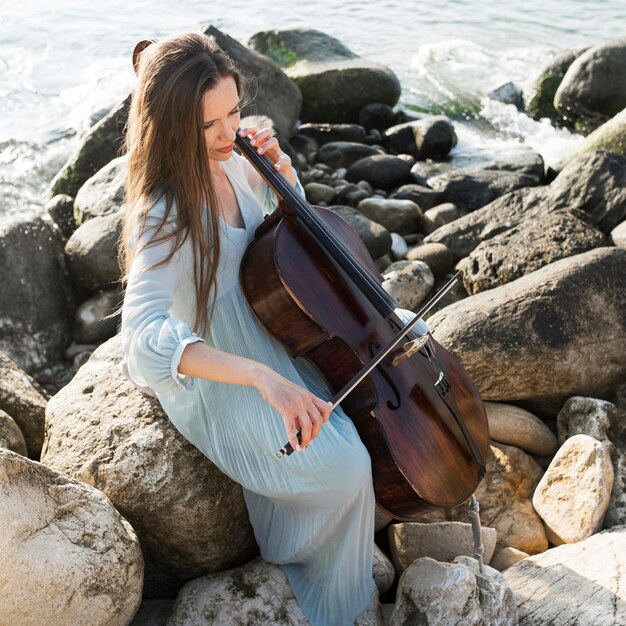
pixel 610 136
pixel 554 333
pixel 36 301
pixel 68 557
pixel 189 517
pixel 91 252
pixel 594 87
pixel 103 193
pixel 273 93
pixel 336 83
pixel 575 584
pixel 594 183
pixel 607 423
pixel 529 245
pixel 102 143
pixel 25 401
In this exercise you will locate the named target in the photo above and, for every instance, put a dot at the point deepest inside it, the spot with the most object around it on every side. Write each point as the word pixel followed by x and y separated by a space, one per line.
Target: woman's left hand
pixel 266 143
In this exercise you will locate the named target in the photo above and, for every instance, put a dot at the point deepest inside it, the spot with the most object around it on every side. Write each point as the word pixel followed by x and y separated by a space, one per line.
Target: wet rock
pixel 376 238
pixel 68 557
pixel 61 210
pixel 435 255
pixel 509 93
pixel 453 594
pixel 424 197
pixel 317 192
pixel 36 299
pixel 306 146
pixel 352 194
pixel 377 115
pixel 605 422
pixel 92 323
pixel 344 153
pixel 11 436
pixel 275 95
pixel 100 429
pixel 398 216
pixel 517 427
pixel 408 282
pixel 335 83
pixel 580 583
pixel 442 541
pixel 593 89
pixel 610 136
pixel 528 246
pixel 544 337
pixel 594 183
pixel 573 494
pixel 428 138
pixel 103 193
pixel 330 133
pixel 25 401
pixel 382 171
pixel 91 253
pixel 101 144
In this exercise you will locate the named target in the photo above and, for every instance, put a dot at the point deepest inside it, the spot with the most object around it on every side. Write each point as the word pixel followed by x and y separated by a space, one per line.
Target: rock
pixel 335 83
pixel 408 282
pixel 573 494
pixel 536 340
pixel 11 436
pixel 275 95
pixel 153 612
pixel 541 97
pixel 93 324
pixel 610 136
pixel 68 557
pixel 594 183
pixel 618 235
pixel 255 593
pixel 61 210
pixel 352 194
pixel 103 193
pixel 428 138
pixel 517 427
pixel 377 115
pixel 435 255
pixel 424 197
pixel 376 238
pixel 25 401
pixel 305 146
pixel 594 88
pixel 382 171
pixel 507 557
pixel 607 423
pixel 344 153
pixel 384 572
pixel 91 253
pixel 331 133
pixel 528 246
pixel 442 541
pixel 102 143
pixel 452 594
pixel 509 93
pixel 189 517
pixel 382 520
pixel 439 216
pixel 398 247
pixel 36 300
pixel 398 216
pixel 317 192
pixel 580 583
pixel 473 185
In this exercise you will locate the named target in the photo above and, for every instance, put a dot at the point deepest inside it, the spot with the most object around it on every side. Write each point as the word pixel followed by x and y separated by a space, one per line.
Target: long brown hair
pixel 167 156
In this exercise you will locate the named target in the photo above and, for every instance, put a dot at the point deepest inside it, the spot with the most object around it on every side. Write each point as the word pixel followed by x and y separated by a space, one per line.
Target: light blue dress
pixel 312 512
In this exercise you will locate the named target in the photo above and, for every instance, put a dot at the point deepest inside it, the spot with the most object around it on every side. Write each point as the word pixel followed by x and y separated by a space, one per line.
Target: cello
pixel 312 284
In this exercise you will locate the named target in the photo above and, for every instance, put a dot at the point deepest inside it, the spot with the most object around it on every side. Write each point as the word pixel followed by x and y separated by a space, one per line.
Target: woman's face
pixel 221 119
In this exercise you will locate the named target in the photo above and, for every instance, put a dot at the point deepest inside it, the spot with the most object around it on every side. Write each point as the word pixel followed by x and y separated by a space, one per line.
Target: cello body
pixel 420 457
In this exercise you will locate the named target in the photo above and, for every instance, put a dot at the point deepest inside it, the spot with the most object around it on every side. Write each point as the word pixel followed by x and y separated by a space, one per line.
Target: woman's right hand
pixel 300 409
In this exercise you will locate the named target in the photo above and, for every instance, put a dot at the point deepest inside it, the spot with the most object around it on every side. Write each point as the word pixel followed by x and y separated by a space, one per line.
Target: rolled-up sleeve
pixel 152 340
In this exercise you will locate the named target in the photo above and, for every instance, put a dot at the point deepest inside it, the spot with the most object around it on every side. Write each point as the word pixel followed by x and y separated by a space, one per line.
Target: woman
pixel 190 338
